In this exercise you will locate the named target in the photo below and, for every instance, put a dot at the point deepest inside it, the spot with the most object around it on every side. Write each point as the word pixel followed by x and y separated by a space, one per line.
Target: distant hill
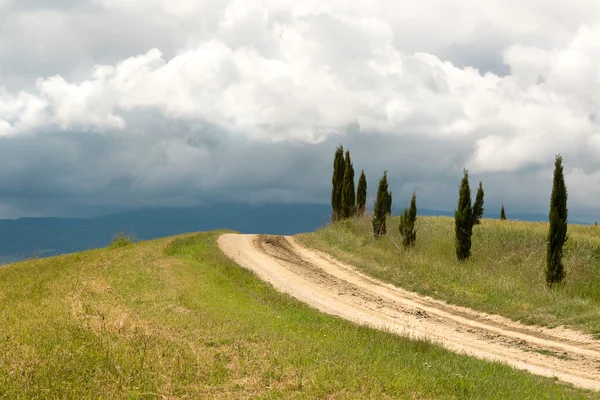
pixel 531 217
pixel 43 237
pixel 534 217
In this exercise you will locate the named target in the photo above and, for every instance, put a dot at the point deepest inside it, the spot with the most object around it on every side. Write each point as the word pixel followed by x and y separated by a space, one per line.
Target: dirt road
pixel 336 288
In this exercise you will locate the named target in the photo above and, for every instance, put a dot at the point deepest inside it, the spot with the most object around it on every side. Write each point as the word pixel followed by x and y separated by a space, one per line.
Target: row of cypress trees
pixel 466 216
pixel 346 204
pixel 383 207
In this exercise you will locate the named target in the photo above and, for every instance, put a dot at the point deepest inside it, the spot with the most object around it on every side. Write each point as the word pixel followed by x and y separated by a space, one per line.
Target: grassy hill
pixel 174 318
pixel 505 274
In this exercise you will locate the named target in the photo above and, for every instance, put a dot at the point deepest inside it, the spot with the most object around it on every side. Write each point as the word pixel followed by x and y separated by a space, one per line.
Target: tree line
pixel 347 203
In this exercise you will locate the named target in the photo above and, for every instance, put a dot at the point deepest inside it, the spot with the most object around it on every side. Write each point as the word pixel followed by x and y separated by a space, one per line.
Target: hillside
pixel 175 318
pixel 505 274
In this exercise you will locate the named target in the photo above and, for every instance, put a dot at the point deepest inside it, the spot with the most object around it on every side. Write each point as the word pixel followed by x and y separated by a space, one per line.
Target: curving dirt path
pixel 338 289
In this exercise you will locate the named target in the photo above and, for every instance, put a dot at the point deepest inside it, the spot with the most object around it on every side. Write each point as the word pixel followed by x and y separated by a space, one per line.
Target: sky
pixel 116 104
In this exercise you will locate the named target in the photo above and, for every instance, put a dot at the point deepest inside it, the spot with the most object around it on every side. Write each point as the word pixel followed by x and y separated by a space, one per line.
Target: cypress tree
pixel 557 234
pixel 463 219
pixel 388 203
pixel 478 206
pixel 407 223
pixel 361 194
pixel 383 204
pixel 336 183
pixel 348 194
pixel 502 213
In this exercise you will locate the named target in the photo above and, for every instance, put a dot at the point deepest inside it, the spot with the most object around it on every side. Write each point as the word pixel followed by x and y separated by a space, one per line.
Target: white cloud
pixel 333 71
pixel 20 113
pixel 551 106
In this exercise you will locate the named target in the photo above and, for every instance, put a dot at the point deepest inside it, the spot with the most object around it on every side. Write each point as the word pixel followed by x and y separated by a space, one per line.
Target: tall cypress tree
pixel 361 194
pixel 407 223
pixel 478 206
pixel 348 194
pixel 383 204
pixel 557 234
pixel 336 183
pixel 463 219
pixel 502 213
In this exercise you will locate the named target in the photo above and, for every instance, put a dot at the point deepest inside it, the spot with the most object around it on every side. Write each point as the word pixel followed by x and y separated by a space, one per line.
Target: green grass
pixel 505 274
pixel 175 318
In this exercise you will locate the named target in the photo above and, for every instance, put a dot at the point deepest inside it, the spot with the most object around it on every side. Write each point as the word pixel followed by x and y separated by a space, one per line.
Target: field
pixel 175 318
pixel 504 276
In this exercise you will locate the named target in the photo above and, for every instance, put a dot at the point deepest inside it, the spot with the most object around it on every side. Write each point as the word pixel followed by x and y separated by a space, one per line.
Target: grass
pixel 505 274
pixel 174 318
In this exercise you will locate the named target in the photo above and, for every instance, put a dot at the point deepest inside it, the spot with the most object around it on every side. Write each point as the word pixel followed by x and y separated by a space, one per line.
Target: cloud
pixel 551 106
pixel 246 100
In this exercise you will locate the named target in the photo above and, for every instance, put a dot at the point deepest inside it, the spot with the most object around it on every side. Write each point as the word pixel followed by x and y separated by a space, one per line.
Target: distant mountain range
pixel 43 237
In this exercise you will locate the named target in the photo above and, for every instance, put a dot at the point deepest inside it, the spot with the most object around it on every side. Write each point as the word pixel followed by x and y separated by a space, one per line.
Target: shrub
pixel 121 239
pixel 407 223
